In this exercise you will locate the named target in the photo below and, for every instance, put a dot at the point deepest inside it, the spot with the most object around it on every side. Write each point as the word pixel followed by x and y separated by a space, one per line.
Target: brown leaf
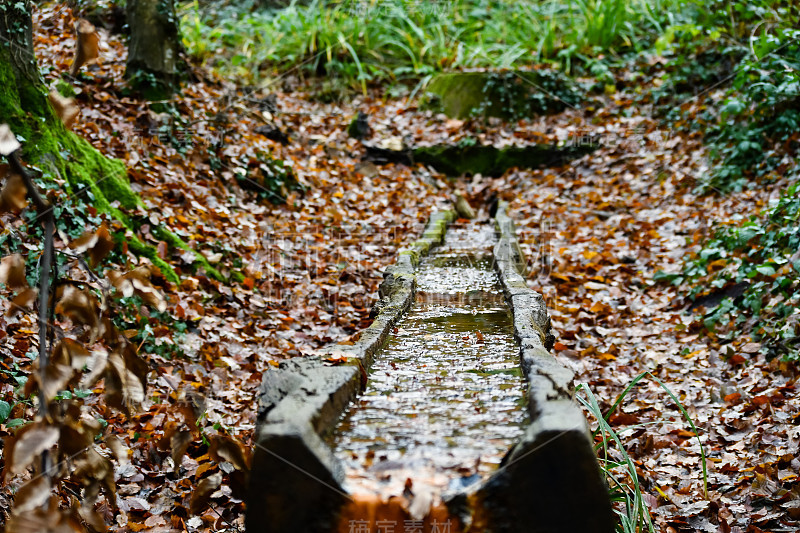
pixel 140 278
pixel 97 366
pixel 203 493
pixel 32 443
pixel 12 271
pixel 224 448
pixel 92 518
pixel 126 379
pixel 71 353
pixel 14 194
pixel 56 378
pixel 138 281
pixel 751 347
pixel 88 49
pixel 80 306
pixel 44 520
pixel 74 439
pixel 8 142
pixel 65 108
pixel 32 494
pixel 121 452
pixel 180 443
pixel 95 244
pixel 121 283
pixel 23 301
pixel 92 469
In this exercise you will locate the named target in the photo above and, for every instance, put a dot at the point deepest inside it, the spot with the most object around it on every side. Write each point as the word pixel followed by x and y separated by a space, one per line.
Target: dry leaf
pixel 12 271
pixel 44 520
pixel 56 378
pixel 65 108
pixel 126 379
pixel 95 244
pixel 80 306
pixel 14 194
pixel 8 142
pixel 23 301
pixel 96 366
pixel 35 493
pixel 71 353
pixel 203 493
pixel 138 281
pixel 92 469
pixel 74 439
pixel 180 443
pixel 32 443
pixel 121 452
pixel 224 448
pixel 88 49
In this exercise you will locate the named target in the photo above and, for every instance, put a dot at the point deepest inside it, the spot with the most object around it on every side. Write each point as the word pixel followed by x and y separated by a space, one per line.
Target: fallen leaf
pixel 12 271
pixel 202 494
pixel 65 108
pixel 14 194
pixel 8 142
pixel 32 443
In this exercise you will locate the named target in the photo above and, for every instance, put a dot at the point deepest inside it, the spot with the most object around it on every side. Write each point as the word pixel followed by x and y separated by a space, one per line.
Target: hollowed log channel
pixel 447 435
pixel 445 399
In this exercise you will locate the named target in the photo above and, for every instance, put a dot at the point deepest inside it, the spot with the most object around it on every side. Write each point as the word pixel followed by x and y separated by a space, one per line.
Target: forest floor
pixel 595 231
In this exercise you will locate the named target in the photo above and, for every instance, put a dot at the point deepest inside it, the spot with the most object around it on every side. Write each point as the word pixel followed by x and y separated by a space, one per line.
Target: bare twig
pixel 44 210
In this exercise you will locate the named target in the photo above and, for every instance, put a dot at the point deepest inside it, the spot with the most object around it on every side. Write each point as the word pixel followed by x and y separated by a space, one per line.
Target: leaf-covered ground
pixel 304 272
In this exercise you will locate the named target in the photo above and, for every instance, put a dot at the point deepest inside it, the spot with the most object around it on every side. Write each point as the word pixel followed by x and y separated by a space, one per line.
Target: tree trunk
pixel 20 82
pixel 46 142
pixel 154 47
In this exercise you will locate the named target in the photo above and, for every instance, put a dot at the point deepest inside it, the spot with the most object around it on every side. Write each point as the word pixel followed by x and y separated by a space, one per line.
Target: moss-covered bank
pixel 64 156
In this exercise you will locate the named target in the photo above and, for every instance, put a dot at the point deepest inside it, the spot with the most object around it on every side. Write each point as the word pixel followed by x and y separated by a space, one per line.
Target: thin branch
pixel 45 210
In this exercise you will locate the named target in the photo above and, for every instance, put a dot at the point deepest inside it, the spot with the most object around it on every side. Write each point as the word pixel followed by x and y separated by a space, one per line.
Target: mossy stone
pixel 507 94
pixel 457 160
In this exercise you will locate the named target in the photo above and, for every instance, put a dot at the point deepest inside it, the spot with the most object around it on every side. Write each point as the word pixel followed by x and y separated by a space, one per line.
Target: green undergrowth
pixel 392 41
pixel 731 74
pixel 626 489
pixel 746 279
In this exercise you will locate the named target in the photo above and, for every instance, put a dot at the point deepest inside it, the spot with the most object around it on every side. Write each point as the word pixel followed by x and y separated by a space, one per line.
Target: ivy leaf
pixel 766 270
pixel 5 410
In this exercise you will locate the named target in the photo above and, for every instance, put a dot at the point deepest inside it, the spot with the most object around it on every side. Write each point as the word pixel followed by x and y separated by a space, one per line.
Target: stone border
pixel 550 480
pixel 295 479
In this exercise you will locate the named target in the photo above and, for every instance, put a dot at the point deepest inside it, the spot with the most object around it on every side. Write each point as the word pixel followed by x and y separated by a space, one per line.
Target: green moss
pixel 422 246
pixel 140 248
pixel 175 241
pixel 413 255
pixel 63 155
pixel 65 89
pixel 58 152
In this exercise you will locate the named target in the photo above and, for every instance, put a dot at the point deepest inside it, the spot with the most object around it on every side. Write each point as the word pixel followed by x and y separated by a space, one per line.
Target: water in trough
pixel 445 397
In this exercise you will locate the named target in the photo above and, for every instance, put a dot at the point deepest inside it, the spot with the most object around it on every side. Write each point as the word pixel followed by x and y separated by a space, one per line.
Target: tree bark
pixel 154 48
pixel 16 41
pixel 23 101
